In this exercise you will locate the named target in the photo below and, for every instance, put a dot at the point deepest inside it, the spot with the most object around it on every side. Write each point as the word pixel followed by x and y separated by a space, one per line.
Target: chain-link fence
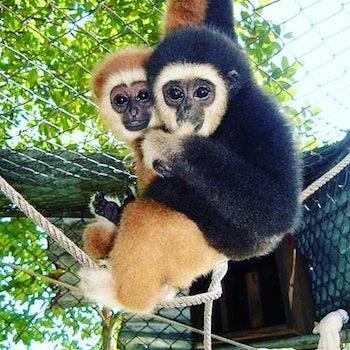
pixel 56 153
pixel 325 230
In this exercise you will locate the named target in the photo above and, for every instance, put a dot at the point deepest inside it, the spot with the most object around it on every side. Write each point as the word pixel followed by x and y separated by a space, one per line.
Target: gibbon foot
pixel 97 286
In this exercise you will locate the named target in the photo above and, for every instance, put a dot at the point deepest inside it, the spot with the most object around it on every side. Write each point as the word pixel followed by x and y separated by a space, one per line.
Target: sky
pixel 321 42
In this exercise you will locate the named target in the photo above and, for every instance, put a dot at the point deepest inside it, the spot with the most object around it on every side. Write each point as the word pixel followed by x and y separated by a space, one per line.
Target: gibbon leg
pixel 156 247
pixel 98 238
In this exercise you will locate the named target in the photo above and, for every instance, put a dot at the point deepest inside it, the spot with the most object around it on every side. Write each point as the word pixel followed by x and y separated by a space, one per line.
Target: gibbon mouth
pixel 137 125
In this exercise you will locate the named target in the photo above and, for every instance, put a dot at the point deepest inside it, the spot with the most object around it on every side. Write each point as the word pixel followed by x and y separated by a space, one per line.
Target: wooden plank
pixel 260 333
pixel 296 289
pixel 225 323
pixel 254 300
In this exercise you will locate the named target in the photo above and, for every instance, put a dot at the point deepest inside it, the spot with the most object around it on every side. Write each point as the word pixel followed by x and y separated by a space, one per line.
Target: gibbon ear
pixel 97 83
pixel 233 80
pixel 182 13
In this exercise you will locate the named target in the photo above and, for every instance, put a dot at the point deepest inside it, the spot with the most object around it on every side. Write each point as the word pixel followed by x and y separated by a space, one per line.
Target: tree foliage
pixel 27 315
pixel 49 49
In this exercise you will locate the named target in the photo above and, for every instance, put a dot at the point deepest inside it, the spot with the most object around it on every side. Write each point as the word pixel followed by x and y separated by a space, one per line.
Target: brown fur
pixel 181 13
pixel 145 175
pixel 156 246
pixel 98 239
pixel 135 57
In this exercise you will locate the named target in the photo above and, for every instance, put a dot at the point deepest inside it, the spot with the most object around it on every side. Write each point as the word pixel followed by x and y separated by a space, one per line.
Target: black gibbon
pixel 241 184
pixel 154 248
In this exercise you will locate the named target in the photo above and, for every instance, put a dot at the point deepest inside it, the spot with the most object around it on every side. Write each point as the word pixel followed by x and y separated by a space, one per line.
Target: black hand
pixel 162 169
pixel 112 212
pixel 107 209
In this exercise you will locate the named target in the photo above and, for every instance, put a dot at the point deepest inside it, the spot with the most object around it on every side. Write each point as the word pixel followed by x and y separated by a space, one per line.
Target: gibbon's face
pixel 191 93
pixel 127 104
pixel 133 103
pixel 189 97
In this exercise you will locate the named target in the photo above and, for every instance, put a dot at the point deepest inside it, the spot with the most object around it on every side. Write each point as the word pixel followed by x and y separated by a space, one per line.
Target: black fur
pixel 204 46
pixel 240 185
pixel 220 16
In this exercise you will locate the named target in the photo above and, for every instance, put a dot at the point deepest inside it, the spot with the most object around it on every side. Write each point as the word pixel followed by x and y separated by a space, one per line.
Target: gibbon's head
pixel 194 72
pixel 125 100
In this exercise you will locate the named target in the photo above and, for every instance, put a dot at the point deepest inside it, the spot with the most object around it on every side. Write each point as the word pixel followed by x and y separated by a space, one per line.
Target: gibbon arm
pixel 253 182
pixel 180 13
pixel 219 15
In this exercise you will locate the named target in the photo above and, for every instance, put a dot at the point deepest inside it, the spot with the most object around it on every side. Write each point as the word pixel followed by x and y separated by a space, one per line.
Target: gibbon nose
pixel 185 114
pixel 133 111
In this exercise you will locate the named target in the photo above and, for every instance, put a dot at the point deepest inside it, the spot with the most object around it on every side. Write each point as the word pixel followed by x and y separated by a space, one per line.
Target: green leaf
pixel 284 63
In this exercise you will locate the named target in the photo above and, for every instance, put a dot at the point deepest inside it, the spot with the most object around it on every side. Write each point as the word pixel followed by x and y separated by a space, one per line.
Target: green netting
pixel 324 235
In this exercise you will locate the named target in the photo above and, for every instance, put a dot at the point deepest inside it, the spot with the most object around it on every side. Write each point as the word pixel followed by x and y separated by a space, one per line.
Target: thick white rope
pixel 214 292
pixel 208 308
pixel 315 186
pixel 215 289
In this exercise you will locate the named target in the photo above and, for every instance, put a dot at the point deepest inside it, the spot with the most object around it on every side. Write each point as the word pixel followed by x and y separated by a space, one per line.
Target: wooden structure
pixel 263 298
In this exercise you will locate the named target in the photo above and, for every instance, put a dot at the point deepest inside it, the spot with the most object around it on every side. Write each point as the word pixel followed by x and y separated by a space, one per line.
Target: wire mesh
pixel 324 239
pixel 55 152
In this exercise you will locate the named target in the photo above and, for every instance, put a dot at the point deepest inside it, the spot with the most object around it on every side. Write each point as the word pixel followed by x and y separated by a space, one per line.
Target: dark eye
pixel 120 100
pixel 143 95
pixel 175 93
pixel 202 92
